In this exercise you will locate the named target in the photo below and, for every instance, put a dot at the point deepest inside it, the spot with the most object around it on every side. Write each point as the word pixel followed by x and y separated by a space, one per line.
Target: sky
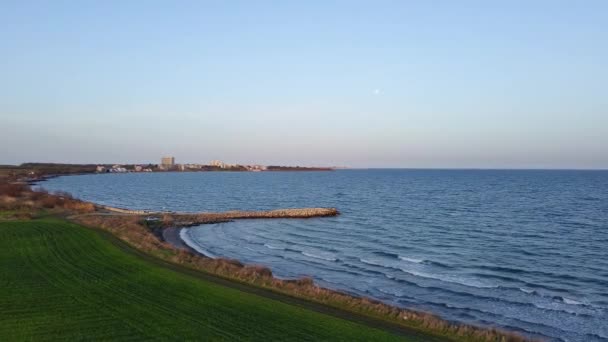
pixel 413 84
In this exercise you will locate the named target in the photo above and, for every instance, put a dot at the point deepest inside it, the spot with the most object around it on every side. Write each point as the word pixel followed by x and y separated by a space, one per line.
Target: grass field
pixel 62 281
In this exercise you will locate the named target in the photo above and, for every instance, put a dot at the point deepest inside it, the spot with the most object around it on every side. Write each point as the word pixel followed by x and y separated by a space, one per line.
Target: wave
pixel 413 260
pixel 386 254
pixel 570 301
pixel 441 277
pixel 552 307
pixel 436 263
pixel 529 326
pixel 498 298
pixel 294 249
pixel 397 256
pixel 376 263
pixel 322 257
pixel 451 279
pixel 183 234
pixel 269 246
pixel 560 300
pixel 496 268
pixel 498 277
pixel 409 259
pixel 390 293
pixel 363 269
pixel 528 291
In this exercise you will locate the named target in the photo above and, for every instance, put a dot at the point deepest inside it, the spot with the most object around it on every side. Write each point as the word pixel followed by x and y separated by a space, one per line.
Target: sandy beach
pixel 171 236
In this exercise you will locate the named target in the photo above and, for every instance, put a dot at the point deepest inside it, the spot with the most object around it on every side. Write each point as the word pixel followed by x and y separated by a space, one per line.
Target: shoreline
pixel 173 236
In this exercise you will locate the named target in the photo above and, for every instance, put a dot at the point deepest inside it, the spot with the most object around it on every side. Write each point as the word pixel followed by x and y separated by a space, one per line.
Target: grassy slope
pixel 62 281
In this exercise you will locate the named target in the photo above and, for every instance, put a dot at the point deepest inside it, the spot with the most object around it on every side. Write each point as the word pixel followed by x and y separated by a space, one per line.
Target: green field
pixel 62 281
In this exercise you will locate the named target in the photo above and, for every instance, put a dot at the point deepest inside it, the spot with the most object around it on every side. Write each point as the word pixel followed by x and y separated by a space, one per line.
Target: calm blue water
pixel 526 250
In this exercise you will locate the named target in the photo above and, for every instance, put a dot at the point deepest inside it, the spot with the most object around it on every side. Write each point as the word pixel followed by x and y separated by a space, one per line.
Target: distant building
pixel 221 164
pixel 217 163
pixel 118 168
pixel 193 166
pixel 255 168
pixel 101 168
pixel 138 168
pixel 167 163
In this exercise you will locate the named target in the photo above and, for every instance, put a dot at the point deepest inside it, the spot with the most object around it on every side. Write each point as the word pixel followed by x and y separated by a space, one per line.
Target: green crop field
pixel 60 281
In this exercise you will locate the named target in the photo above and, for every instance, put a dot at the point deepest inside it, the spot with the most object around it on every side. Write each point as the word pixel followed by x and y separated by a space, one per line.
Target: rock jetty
pixel 186 219
pixel 181 219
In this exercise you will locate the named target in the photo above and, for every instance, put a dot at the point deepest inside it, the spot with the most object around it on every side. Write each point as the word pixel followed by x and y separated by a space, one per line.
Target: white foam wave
pixel 528 291
pixel 571 301
pixel 413 260
pixel 269 246
pixel 322 257
pixel 390 293
pixel 451 279
pixel 375 263
pixel 183 234
pixel 554 307
pixel 448 278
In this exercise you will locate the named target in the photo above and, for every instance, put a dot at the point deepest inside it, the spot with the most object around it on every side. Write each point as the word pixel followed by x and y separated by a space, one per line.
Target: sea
pixel 523 250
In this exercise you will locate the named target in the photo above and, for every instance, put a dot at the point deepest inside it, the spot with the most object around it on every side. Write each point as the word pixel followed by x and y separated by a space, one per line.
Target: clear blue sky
pixel 493 84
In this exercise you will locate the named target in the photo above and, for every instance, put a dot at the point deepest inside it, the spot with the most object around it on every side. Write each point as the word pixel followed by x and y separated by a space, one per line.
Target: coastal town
pixel 37 172
pixel 168 164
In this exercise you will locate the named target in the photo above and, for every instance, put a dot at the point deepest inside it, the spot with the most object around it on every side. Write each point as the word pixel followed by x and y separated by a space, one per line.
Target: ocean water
pixel 523 250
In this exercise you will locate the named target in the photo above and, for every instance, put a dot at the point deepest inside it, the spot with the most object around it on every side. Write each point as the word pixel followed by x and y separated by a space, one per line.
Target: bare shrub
pixel 48 202
pixel 79 206
pixel 24 215
pixel 304 281
pixel 64 195
pixel 256 271
pixel 7 202
pixel 12 190
pixel 38 194
pixel 167 220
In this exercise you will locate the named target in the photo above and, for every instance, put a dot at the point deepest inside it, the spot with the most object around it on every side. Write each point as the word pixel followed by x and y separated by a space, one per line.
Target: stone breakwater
pixel 186 219
pixel 175 219
pixel 278 213
pixel 128 211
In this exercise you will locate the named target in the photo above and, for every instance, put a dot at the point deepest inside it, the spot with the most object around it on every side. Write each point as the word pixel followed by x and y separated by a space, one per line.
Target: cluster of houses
pixel 220 164
pixel 121 169
pixel 168 164
pixel 255 168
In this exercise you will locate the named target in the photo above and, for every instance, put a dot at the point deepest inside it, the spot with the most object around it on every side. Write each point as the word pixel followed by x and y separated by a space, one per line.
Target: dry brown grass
pixel 21 196
pixel 12 190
